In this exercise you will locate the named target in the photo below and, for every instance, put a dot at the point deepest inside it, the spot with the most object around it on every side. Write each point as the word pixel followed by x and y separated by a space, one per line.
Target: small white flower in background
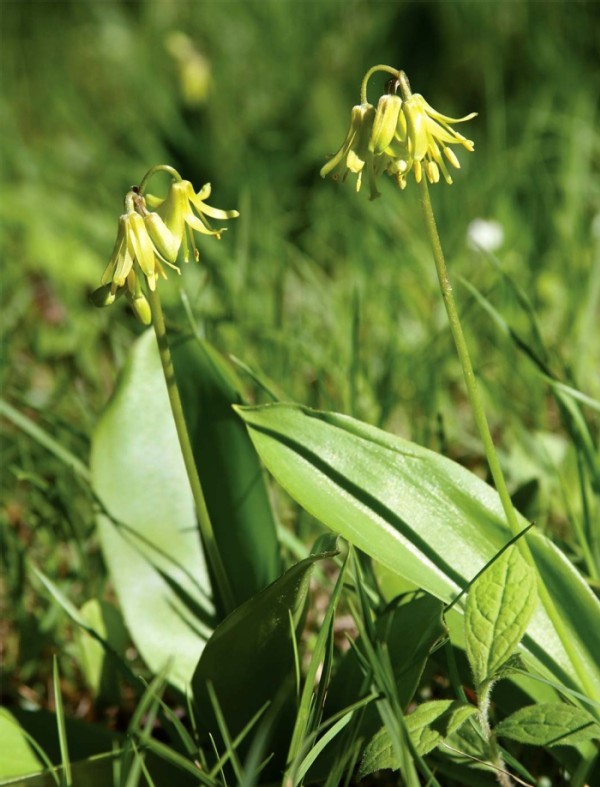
pixel 485 234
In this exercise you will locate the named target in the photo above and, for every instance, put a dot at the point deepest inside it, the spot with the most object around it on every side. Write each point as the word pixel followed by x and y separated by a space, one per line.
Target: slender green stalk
pixel 204 523
pixel 387 69
pixel 465 360
pixel 502 775
pixel 488 443
pixel 158 168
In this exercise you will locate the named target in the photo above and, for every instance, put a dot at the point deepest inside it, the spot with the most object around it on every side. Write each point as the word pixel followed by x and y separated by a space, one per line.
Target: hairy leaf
pixel 427 725
pixel 499 607
pixel 549 724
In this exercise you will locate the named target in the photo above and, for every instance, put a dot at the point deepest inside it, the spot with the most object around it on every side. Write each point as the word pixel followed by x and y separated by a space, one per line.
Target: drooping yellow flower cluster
pixel 398 137
pixel 149 241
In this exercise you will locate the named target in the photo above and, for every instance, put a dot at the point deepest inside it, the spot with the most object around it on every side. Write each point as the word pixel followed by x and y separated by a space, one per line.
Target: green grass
pixel 330 299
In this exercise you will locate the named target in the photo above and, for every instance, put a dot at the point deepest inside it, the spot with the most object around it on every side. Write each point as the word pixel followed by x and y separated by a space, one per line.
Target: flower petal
pixel 360 114
pixel 418 140
pixel 438 115
pixel 166 243
pixel 139 244
pixel 200 226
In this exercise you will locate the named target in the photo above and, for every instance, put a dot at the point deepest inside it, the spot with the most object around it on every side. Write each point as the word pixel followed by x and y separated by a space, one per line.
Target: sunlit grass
pixel 331 298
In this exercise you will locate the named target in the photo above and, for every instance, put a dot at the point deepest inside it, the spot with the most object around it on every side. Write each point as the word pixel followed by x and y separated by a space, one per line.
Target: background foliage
pixel 331 297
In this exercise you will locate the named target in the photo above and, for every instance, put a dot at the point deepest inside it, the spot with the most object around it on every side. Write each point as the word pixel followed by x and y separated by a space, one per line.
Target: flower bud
pixel 418 140
pixel 385 122
pixel 103 296
pixel 174 208
pixel 141 308
pixel 161 236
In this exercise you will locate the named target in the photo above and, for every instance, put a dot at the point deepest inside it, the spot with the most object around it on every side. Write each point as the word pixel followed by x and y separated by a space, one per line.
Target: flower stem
pixel 465 360
pixel 490 451
pixel 363 88
pixel 206 530
pixel 483 704
pixel 158 168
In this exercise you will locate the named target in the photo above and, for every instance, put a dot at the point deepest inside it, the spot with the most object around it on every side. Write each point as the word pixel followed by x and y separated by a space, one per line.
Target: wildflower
pixel 357 151
pixel 133 244
pixel 183 211
pixel 149 241
pixel 404 134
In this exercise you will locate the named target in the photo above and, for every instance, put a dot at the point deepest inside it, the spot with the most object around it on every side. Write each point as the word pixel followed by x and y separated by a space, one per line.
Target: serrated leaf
pixel 378 755
pixel 424 518
pixel 500 605
pixel 432 722
pixel 549 724
pixel 428 725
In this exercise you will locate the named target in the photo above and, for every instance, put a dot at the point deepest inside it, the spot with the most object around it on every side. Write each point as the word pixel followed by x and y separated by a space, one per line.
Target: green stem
pixel 483 704
pixel 204 523
pixel 158 168
pixel 488 443
pixel 465 360
pixel 388 70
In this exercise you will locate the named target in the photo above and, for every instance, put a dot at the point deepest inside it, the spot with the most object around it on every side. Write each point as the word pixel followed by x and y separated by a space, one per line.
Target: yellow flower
pixel 357 151
pixel 385 123
pixel 422 135
pixel 183 211
pixel 399 137
pixel 137 299
pixel 133 245
pixel 149 240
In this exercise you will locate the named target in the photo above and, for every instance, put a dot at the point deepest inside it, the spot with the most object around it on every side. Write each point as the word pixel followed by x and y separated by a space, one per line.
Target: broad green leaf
pixel 17 757
pixel 425 518
pixel 249 660
pixel 428 725
pixel 549 724
pixel 499 607
pixel 149 535
pixel 231 475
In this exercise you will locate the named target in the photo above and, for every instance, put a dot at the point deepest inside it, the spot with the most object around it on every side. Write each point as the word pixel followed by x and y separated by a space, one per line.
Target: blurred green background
pixel 331 297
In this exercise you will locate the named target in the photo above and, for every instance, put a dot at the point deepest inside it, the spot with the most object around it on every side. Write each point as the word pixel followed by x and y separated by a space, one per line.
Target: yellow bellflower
pixel 184 211
pixel 356 152
pixel 402 135
pixel 147 241
pixel 427 135
pixel 133 244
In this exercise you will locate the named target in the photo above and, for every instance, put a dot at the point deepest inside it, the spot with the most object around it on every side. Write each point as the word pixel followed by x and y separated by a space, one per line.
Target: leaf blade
pixel 499 606
pixel 422 516
pixel 148 530
pixel 549 724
